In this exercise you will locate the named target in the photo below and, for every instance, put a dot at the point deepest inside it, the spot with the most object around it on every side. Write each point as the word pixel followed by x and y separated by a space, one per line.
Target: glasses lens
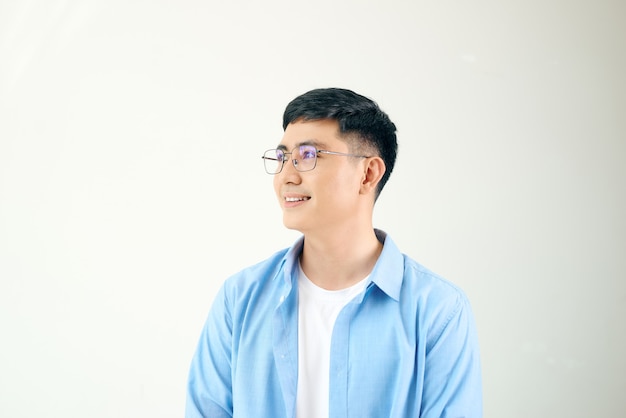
pixel 273 160
pixel 306 156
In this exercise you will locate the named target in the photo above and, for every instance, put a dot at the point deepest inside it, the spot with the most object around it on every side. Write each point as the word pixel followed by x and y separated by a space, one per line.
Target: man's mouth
pixel 296 199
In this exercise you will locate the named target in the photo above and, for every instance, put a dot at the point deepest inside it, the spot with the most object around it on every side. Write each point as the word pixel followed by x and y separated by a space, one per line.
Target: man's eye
pixel 308 153
pixel 280 156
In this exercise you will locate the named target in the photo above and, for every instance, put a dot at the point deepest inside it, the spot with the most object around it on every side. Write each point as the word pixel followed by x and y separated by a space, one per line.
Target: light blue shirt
pixel 404 347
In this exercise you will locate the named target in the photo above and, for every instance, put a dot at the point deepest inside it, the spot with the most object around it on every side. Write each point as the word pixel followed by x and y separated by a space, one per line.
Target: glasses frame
pixel 294 161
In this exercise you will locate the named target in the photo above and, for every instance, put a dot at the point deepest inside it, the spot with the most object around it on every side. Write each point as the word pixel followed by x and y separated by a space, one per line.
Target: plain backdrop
pixel 131 184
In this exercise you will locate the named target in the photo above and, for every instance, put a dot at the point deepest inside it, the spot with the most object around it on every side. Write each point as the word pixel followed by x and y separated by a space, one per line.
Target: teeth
pixel 296 199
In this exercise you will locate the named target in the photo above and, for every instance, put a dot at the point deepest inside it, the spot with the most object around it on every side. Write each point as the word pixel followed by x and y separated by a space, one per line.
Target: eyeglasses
pixel 303 158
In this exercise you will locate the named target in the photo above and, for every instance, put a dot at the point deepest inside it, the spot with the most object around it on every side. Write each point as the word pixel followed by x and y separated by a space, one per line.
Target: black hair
pixel 356 115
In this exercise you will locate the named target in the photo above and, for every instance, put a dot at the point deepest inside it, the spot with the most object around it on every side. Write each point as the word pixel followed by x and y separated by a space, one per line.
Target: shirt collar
pixel 290 261
pixel 387 273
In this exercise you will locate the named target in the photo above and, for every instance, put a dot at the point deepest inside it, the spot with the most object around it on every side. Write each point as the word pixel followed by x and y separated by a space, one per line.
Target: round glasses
pixel 303 158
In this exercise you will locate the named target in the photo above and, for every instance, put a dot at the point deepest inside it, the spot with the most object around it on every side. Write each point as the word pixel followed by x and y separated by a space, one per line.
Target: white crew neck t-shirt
pixel 317 311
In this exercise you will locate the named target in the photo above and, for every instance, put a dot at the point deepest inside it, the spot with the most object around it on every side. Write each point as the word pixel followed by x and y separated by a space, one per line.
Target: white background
pixel 131 184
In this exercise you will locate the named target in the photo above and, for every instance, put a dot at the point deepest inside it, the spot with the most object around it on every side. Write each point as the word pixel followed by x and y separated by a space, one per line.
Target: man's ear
pixel 372 173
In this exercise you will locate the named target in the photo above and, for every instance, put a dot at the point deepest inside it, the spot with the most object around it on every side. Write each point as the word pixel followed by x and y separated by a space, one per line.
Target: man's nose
pixel 289 170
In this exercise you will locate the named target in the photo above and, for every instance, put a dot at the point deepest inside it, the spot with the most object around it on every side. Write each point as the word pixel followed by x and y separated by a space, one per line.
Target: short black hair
pixel 355 114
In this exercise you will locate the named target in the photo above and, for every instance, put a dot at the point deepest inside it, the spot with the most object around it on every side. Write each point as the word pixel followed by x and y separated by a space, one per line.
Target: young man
pixel 341 324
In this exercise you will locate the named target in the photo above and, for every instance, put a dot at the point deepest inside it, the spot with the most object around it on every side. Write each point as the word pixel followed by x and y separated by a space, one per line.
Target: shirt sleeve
pixel 209 386
pixel 452 377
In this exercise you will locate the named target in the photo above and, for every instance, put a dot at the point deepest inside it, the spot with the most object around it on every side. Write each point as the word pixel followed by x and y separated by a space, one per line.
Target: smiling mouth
pixel 296 199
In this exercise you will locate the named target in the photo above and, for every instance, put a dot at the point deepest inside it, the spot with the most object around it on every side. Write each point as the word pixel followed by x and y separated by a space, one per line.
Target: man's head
pixel 362 124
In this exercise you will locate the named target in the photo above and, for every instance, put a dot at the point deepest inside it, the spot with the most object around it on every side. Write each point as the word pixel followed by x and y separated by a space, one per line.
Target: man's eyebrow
pixel 313 142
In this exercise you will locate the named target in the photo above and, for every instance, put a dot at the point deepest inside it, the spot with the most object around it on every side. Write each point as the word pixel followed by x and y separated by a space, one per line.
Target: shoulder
pixel 406 280
pixel 431 290
pixel 255 276
pixel 421 281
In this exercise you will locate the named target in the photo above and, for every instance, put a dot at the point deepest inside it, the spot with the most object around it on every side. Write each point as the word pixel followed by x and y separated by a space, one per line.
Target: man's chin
pixel 293 224
pixel 293 227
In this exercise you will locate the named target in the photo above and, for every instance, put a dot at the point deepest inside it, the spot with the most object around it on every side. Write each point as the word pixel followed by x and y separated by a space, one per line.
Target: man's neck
pixel 340 259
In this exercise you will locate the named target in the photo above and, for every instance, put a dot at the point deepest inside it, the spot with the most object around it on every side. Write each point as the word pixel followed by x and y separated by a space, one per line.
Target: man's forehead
pixel 318 133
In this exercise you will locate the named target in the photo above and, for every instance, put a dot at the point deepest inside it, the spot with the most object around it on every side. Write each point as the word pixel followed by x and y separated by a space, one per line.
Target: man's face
pixel 327 196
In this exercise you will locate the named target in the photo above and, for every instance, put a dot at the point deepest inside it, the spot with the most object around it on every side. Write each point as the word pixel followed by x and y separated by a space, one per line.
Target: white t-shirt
pixel 317 311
